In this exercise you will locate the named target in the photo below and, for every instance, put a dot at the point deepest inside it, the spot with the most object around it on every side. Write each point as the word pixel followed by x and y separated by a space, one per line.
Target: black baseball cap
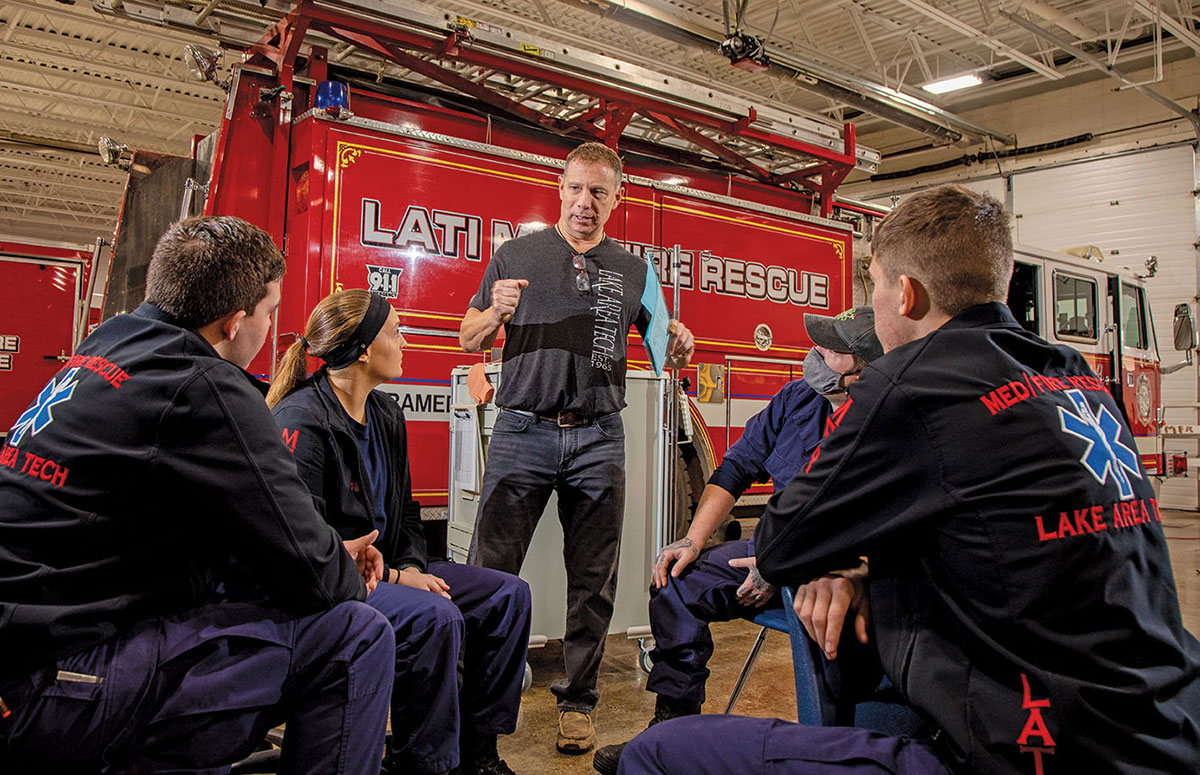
pixel 852 331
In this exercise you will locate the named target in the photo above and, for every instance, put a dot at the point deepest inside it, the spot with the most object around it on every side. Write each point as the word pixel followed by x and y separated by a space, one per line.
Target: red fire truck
pixel 45 297
pixel 409 195
pixel 408 191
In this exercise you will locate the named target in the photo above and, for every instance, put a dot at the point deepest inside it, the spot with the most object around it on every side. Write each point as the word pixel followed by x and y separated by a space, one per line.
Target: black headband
pixel 356 344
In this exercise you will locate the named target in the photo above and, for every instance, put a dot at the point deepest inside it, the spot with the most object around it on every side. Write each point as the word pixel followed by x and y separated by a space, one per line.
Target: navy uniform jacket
pixel 315 428
pixel 1020 591
pixel 140 471
pixel 776 442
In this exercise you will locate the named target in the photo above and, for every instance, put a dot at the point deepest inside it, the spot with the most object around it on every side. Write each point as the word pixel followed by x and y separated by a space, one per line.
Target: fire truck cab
pixel 1103 312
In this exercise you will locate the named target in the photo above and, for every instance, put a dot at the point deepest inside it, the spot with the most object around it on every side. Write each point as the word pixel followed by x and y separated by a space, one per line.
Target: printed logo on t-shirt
pixel 610 290
pixel 1104 453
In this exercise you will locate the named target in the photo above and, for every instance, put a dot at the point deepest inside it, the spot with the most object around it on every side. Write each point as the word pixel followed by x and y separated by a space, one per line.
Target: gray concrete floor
pixel 626 707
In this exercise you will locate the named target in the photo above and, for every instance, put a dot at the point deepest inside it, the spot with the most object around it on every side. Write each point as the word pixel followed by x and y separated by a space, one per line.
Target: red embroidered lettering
pixel 993 404
pixel 1035 726
pixel 289 441
pixel 60 476
pixel 1037 752
pixel 1064 526
pixel 1042 534
pixel 8 456
pixel 1081 523
pixel 1098 522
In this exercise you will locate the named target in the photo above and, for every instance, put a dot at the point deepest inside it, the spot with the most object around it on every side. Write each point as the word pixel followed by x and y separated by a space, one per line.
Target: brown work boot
pixel 576 734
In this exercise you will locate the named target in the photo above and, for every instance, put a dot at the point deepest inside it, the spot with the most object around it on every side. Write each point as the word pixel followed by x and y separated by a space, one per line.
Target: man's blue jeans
pixel 529 458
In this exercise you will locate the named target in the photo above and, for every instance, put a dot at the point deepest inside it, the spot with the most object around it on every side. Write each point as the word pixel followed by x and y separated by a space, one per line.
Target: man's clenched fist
pixel 506 294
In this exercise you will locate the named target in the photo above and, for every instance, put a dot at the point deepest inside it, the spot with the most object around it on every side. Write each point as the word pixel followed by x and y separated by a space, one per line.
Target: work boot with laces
pixel 665 708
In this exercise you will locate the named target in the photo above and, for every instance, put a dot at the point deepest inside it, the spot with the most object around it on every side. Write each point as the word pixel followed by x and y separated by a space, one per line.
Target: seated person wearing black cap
pixel 461 631
pixel 692 588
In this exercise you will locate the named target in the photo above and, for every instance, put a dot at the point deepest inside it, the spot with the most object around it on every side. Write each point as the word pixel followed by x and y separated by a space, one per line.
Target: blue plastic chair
pixel 883 712
pixel 811 707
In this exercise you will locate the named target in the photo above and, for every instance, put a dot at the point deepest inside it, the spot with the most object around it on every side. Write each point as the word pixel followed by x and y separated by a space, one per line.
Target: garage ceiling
pixel 69 75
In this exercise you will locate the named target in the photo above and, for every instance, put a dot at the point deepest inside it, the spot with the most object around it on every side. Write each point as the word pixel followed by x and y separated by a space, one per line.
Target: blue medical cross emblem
pixel 1105 454
pixel 41 413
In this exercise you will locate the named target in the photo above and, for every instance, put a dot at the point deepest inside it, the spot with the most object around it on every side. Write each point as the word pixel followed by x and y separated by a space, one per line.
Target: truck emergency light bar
pixel 562 88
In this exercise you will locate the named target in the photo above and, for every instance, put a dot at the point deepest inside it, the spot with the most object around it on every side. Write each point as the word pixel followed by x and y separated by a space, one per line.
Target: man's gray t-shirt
pixel 565 349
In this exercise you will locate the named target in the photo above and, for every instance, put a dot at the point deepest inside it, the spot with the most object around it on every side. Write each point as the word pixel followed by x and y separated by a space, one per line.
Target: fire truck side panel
pixel 748 277
pixel 242 179
pixel 41 299
pixel 417 222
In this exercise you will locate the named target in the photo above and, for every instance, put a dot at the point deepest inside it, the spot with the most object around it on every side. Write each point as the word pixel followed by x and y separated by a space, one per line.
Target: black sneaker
pixel 606 759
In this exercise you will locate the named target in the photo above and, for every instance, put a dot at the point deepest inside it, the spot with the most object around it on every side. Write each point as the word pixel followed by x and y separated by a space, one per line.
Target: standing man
pixel 566 297
pixel 148 473
pixel 1020 594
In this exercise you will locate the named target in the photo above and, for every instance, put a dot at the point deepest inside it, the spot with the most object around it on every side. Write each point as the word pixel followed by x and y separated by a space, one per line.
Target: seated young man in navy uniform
pixel 1019 590
pixel 168 593
pixel 692 588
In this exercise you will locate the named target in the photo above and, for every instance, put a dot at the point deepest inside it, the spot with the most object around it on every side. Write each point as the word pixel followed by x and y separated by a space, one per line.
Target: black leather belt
pixel 565 419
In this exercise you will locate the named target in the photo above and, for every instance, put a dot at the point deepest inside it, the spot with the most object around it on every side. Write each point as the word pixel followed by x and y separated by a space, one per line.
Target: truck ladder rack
pixel 561 88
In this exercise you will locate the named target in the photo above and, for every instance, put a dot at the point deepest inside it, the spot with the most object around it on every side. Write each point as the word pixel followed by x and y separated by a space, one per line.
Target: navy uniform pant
pixel 459 662
pixel 719 745
pixel 680 613
pixel 195 692
pixel 528 459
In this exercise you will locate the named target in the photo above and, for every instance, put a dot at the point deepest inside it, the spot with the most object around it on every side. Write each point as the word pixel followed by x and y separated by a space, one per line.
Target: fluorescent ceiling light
pixel 953 84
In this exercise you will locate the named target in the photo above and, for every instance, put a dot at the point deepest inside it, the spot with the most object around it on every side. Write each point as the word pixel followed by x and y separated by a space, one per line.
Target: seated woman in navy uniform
pixel 351 449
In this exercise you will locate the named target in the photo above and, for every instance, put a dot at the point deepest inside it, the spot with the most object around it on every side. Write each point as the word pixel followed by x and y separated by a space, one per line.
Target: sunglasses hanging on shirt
pixel 582 283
